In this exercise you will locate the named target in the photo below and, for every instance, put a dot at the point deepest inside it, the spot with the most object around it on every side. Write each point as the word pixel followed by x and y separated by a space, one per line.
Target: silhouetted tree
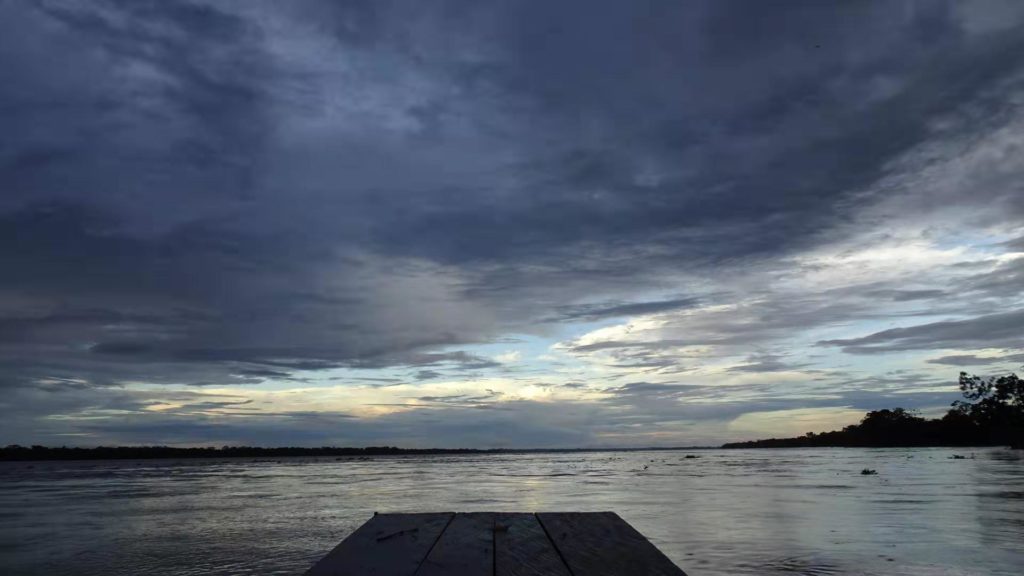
pixel 991 414
pixel 996 406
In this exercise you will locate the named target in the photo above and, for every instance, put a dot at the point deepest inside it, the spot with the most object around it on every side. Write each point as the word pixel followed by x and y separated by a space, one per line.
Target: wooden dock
pixel 496 544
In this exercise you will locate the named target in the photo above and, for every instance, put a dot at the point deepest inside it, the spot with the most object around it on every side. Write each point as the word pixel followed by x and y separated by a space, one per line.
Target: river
pixel 715 513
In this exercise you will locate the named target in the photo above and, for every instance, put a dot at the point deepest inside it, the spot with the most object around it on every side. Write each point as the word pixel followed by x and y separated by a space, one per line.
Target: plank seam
pixel 432 546
pixel 554 544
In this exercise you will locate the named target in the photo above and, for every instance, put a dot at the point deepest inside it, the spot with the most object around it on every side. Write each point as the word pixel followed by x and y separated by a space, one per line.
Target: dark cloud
pixel 909 295
pixel 973 360
pixel 1006 280
pixel 459 359
pixel 994 330
pixel 591 312
pixel 229 194
pixel 767 363
pixel 658 391
pixel 465 400
pixel 1016 245
pixel 264 373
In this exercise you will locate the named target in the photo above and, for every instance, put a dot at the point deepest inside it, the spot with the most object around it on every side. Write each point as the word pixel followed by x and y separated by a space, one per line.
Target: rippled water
pixel 724 512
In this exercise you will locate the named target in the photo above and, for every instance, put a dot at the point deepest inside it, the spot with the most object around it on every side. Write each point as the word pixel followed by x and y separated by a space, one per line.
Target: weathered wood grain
pixel 387 545
pixel 522 548
pixel 465 549
pixel 603 544
pixel 502 544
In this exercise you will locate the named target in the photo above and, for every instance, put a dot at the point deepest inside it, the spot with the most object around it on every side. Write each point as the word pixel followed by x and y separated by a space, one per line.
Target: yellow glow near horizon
pixel 796 422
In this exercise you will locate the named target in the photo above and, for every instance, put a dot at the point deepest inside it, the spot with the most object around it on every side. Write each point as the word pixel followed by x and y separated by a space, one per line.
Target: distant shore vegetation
pixel 15 452
pixel 991 414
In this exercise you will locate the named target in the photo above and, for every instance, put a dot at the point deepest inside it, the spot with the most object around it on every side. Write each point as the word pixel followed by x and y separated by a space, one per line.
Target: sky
pixel 490 223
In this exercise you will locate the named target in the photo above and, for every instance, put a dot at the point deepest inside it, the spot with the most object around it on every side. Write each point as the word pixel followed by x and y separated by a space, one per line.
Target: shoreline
pixel 271 454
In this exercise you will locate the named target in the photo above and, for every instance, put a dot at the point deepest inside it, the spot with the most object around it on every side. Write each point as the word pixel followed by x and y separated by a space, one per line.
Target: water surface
pixel 794 511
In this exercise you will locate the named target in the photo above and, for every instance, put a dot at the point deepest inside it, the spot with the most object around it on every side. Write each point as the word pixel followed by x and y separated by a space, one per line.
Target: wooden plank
pixel 465 549
pixel 602 544
pixel 387 545
pixel 522 548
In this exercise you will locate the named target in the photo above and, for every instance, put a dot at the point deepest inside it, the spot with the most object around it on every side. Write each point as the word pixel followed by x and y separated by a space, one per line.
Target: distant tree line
pixel 15 452
pixel 991 414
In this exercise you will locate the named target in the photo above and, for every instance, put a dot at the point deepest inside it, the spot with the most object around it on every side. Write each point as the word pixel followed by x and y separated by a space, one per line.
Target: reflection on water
pixel 727 512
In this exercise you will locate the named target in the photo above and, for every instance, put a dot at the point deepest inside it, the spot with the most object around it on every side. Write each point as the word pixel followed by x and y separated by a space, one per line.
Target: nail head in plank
pixel 466 548
pixel 603 544
pixel 522 548
pixel 386 545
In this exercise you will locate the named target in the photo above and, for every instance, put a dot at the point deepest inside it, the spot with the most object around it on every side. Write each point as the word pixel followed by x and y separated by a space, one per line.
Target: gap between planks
pixel 496 543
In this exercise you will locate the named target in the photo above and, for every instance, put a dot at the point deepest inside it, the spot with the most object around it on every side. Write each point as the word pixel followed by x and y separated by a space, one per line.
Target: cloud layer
pixel 590 223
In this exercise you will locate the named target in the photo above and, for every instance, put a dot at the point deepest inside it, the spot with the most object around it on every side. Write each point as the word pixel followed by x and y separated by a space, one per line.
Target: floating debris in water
pixel 868 471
